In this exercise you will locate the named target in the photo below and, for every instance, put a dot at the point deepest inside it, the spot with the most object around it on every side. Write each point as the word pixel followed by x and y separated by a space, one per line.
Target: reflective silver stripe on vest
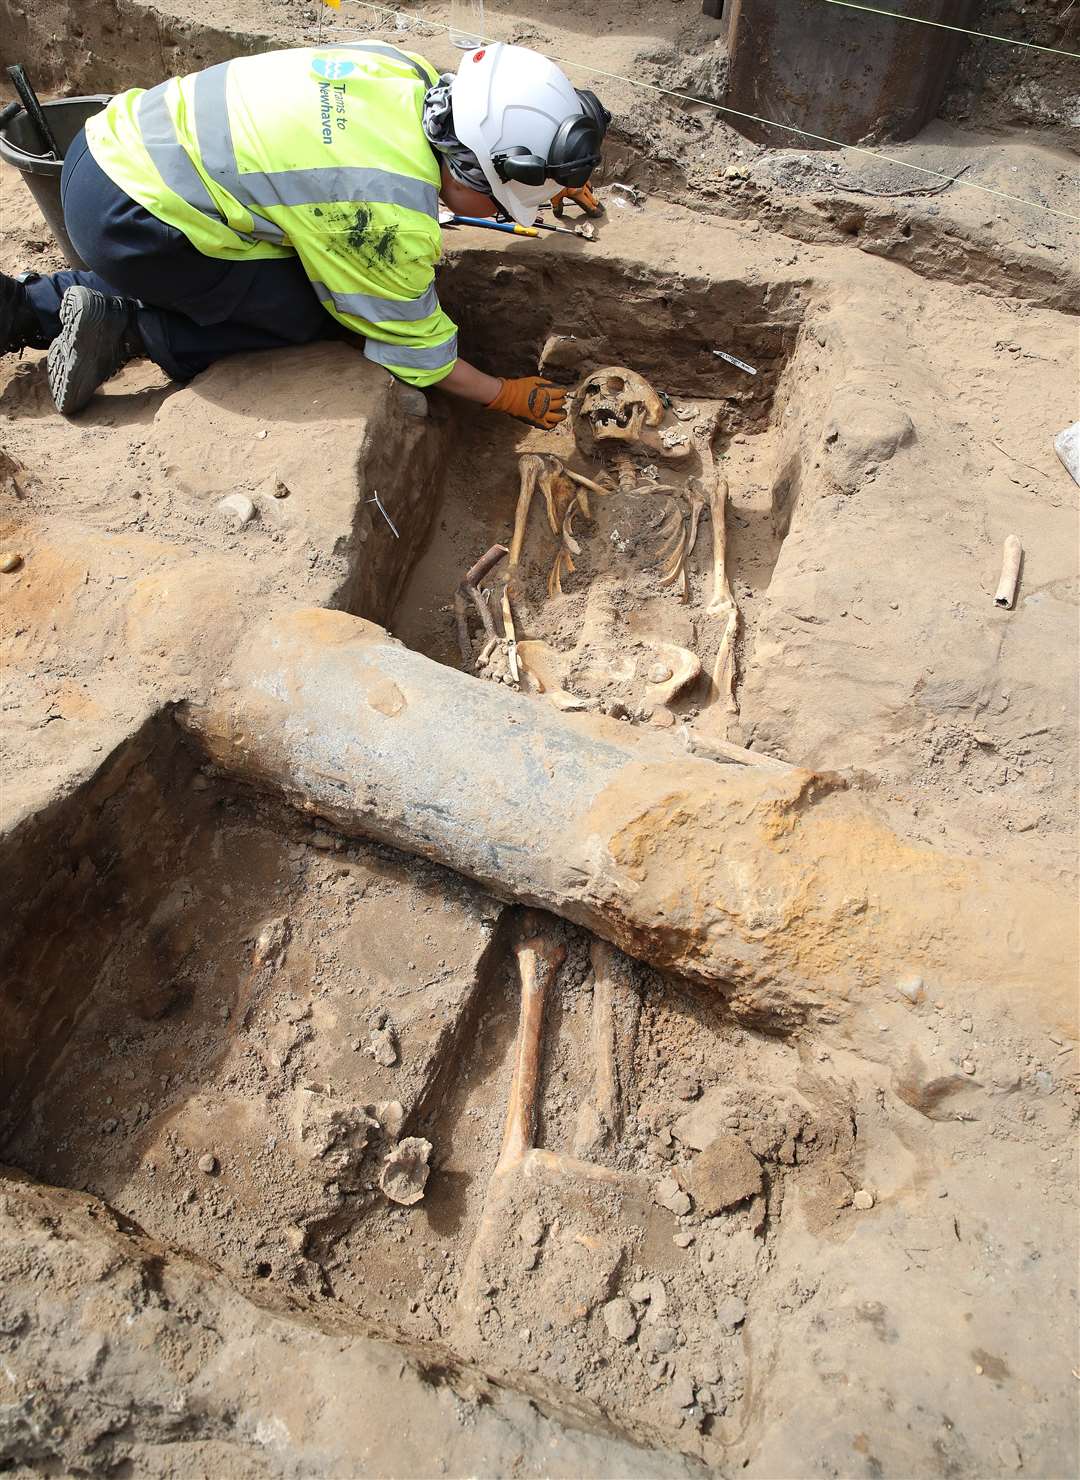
pixel 381 310
pixel 257 190
pixel 324 183
pixel 214 133
pixel 389 51
pixel 319 185
pixel 169 157
pixel 434 357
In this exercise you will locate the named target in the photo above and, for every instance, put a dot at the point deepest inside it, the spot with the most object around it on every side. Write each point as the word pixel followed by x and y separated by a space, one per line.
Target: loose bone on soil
pixel 237 1014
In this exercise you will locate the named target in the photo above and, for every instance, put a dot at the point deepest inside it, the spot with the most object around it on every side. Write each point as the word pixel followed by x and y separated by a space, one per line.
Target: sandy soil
pixel 844 1250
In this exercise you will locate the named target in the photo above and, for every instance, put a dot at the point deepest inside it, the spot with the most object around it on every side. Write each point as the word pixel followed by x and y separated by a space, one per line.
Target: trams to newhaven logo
pixel 332 69
pixel 332 118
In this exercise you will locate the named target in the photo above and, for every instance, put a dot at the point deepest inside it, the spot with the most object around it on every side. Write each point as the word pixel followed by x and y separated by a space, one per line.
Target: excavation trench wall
pixel 74 877
pixel 665 324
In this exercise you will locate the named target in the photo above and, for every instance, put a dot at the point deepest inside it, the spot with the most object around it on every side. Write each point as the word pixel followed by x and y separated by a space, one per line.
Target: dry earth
pixel 845 1250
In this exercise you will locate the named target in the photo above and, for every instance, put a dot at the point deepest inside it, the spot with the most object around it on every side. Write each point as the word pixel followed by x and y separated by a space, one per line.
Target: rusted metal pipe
pixel 781 889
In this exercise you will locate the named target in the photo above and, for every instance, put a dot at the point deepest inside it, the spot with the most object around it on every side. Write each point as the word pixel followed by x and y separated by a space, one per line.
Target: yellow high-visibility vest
pixel 317 152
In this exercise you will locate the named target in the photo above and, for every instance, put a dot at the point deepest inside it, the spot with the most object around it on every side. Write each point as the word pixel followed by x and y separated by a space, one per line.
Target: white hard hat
pixel 532 132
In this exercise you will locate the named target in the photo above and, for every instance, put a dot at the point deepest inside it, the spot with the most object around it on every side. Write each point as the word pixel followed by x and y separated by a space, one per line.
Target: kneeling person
pixel 283 198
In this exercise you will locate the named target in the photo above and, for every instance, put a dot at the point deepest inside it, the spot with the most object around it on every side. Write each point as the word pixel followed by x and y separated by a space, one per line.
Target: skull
pixel 614 405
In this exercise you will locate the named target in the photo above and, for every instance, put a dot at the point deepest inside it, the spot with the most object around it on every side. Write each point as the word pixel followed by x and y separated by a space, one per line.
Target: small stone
pixel 208 1164
pixel 412 400
pixel 281 490
pixel 659 673
pixel 682 1391
pixel 966 1025
pixel 683 1239
pixel 661 717
pixel 619 1319
pixel 968 1066
pixel 656 1340
pixel 731 1312
pixel 668 1194
pixel 531 1228
pixel 724 1175
pixel 10 561
pixel 687 1089
pixel 384 1049
pixel 911 987
pixel 863 1200
pixel 405 1172
pixel 237 510
pixel 650 1293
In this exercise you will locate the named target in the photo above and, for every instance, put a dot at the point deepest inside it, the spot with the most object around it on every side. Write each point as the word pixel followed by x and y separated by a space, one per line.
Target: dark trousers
pixel 195 309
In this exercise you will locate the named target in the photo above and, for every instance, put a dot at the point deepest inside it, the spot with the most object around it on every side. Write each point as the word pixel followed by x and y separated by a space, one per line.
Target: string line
pixel 920 20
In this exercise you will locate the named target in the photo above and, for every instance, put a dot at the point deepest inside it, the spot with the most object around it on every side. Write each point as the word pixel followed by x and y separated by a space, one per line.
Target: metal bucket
pixel 20 146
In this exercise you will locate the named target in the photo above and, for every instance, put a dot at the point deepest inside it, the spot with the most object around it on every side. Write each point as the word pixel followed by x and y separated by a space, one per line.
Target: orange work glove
pixel 582 197
pixel 532 399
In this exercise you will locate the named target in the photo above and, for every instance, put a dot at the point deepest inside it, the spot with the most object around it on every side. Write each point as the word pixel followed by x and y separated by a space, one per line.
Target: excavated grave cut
pixel 666 329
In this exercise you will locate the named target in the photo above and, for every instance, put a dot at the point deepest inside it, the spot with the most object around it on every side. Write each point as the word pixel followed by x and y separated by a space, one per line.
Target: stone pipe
pixel 781 889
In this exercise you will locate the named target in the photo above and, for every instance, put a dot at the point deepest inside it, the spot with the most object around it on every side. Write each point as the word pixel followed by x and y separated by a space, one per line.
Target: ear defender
pixel 520 165
pixel 594 108
pixel 574 152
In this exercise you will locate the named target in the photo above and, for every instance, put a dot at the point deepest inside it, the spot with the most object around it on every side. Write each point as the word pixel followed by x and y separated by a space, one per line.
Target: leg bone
pixel 530 466
pixel 538 962
pixel 616 1008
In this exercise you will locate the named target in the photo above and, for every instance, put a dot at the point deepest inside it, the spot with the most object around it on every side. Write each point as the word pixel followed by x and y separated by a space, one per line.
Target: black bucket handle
pixel 30 101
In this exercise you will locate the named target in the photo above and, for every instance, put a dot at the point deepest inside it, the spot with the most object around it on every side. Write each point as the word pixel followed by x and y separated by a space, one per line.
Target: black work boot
pixel 19 325
pixel 97 335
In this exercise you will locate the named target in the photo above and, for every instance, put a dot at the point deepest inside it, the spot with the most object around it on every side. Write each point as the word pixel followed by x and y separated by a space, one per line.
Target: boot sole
pixel 75 368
